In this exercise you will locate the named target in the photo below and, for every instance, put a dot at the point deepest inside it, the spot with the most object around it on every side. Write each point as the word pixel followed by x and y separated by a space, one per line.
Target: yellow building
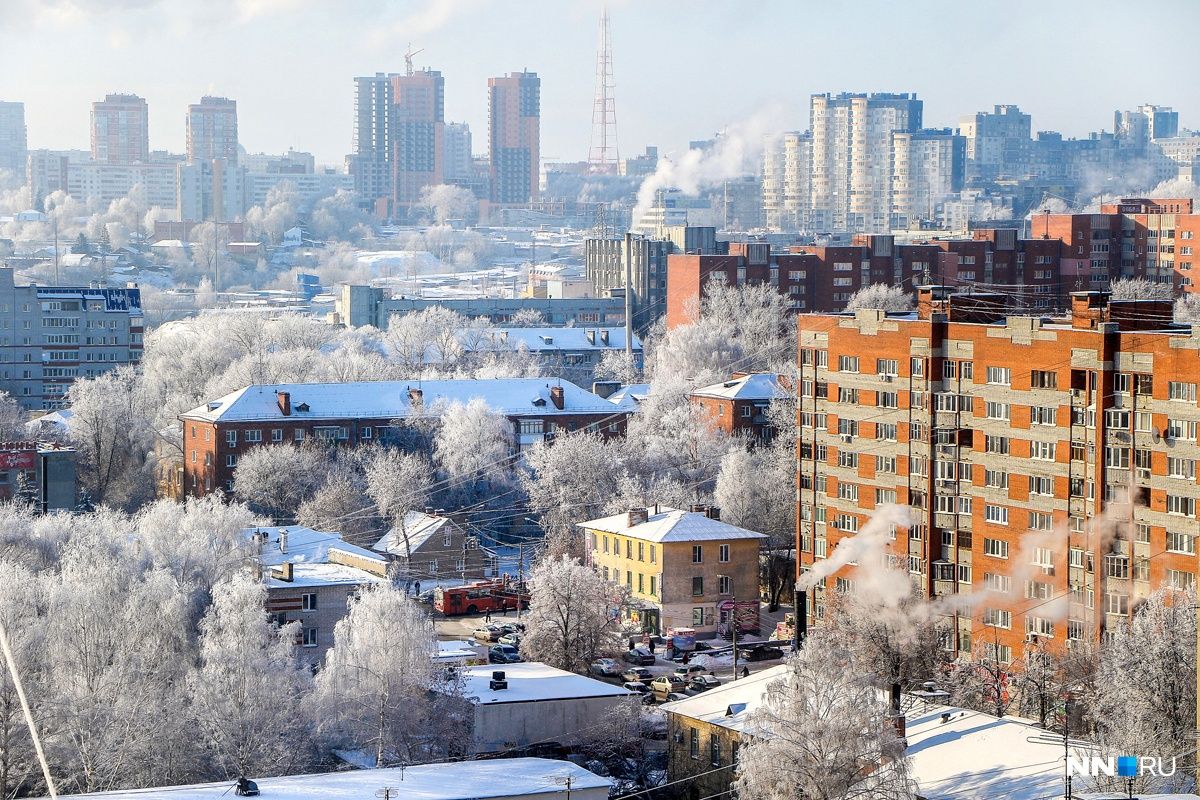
pixel 684 569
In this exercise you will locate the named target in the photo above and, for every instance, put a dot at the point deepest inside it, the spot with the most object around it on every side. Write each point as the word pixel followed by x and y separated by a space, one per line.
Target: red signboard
pixel 17 459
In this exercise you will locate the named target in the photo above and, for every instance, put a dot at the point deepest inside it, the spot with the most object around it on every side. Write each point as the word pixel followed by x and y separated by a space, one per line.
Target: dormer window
pixel 302 407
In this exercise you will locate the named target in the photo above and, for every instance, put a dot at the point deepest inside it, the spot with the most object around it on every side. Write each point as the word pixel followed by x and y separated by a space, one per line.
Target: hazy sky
pixel 683 68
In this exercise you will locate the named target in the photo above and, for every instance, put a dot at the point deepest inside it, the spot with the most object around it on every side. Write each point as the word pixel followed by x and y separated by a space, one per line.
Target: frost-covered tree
pixel 473 446
pixel 527 318
pixel 1140 289
pixel 981 680
pixel 248 689
pixel 573 615
pixel 279 477
pixel 570 479
pixel 110 426
pixel 12 419
pixel 444 202
pixel 380 690
pixel 1146 687
pixel 339 217
pixel 22 601
pixel 1187 309
pixel 822 732
pixel 398 483
pixel 277 215
pixel 342 505
pixel 882 297
pixel 423 338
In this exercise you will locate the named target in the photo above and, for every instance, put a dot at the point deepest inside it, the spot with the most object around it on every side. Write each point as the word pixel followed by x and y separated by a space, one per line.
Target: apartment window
pixel 723 554
pixel 1185 392
pixel 641 583
pixel 641 551
pixel 885 431
pixel 917 367
pixel 1141 533
pixel 298 434
pixel 846 522
pixel 1039 484
pixel 1043 451
pixel 1181 542
pixel 847 363
pixel 999 411
pixel 193 456
pixel 1035 590
pixel 308 602
pixel 653 586
pixel 698 586
pixel 999 375
pixel 723 583
pixel 1043 557
pixel 887 399
pixel 230 460
pixel 1043 415
pixel 1177 504
pixel 208 459
pixel 996 548
pixel 1179 579
pixel 1117 418
pixel 848 491
pixel 1116 457
pixel 697 554
pixel 885 465
pixel 1181 468
pixel 885 496
pixel 364 433
pixel 605 544
pixel 1116 566
pixel 1116 604
pixel 695 742
pixel 848 427
pixel 277 434
pixel 995 479
pixel 653 554
pixel 1040 379
pixel 231 438
pixel 629 579
pixel 447 538
pixel 846 459
pixel 1000 653
pixel 997 583
pixel 433 567
pixel 847 395
pixel 1038 626
pixel 997 618
pixel 918 465
pixel 1181 429
pixel 310 637
pixel 629 548
pixel 253 436
pixel 996 444
pixel 844 586
pixel 949 370
pixel 887 366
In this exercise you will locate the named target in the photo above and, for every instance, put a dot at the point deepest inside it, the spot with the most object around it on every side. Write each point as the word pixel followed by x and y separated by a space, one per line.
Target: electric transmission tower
pixel 603 155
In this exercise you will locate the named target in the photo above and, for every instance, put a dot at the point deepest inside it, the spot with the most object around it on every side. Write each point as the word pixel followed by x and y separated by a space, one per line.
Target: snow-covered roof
pixel 304 545
pixel 630 397
pixel 976 755
pixel 389 400
pixel 533 681
pixel 461 780
pixel 672 525
pixel 312 575
pixel 731 704
pixel 759 386
pixel 540 340
pixel 418 526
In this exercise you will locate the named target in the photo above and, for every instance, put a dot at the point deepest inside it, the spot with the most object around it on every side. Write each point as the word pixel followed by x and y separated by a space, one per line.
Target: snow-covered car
pixel 688 670
pixel 673 696
pixel 511 638
pixel 606 667
pixel 642 689
pixel 639 656
pixel 640 674
pixel 503 654
pixel 667 684
pixel 701 683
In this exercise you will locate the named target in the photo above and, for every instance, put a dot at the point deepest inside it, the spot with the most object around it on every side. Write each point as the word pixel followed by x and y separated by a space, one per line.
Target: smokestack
pixel 285 403
pixel 282 541
pixel 557 397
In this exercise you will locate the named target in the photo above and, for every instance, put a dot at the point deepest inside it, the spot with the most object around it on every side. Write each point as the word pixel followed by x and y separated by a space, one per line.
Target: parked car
pixel 639 674
pixel 643 690
pixel 503 654
pixel 511 627
pixel 511 638
pixel 673 696
pixel 702 683
pixel 760 653
pixel 605 666
pixel 639 656
pixel 688 670
pixel 667 684
pixel 487 633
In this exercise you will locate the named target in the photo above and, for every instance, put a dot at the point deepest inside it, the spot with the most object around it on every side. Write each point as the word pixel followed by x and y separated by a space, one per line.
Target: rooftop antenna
pixel 408 57
pixel 603 156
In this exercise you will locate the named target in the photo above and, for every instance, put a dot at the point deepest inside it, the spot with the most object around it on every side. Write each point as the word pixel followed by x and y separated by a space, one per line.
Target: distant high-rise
pixel 999 144
pixel 514 136
pixel 457 152
pixel 927 167
pixel 120 130
pixel 371 161
pixel 416 133
pixel 1137 129
pixel 852 158
pixel 13 144
pixel 212 130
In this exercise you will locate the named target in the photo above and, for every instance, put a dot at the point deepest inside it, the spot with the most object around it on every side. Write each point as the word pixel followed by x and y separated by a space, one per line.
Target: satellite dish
pixel 1157 434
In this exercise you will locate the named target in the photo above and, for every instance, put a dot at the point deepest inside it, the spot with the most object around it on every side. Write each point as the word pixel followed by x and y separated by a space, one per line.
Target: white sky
pixel 683 68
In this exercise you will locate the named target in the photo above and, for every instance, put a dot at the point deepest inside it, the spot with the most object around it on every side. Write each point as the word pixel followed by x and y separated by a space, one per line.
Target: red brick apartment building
pixel 739 405
pixel 823 278
pixel 1135 238
pixel 216 434
pixel 1051 463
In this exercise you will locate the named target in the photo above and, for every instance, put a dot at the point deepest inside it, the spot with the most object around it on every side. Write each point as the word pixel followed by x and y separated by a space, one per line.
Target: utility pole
pixel 520 576
pixel 566 780
pixel 629 297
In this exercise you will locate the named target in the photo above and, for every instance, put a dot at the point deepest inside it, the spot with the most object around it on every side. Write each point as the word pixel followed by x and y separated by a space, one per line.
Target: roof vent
pixel 734 709
pixel 498 683
pixel 213 406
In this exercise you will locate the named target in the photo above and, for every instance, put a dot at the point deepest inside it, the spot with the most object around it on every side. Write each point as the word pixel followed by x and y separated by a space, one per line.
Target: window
pixel 364 433
pixel 918 367
pixel 1181 429
pixel 1177 504
pixel 1116 457
pixel 996 548
pixel 1178 579
pixel 1117 418
pixel 997 618
pixel 1040 379
pixel 848 491
pixel 308 602
pixel 949 369
pixel 847 395
pixel 1035 590
pixel 629 548
pixel 1043 415
pixel 698 586
pixel 887 366
pixel 1038 626
pixel 1185 392
pixel 697 617
pixel 253 436
pixel 723 554
pixel 723 583
pixel 1116 604
pixel 641 583
pixel 847 363
pixel 299 434
pixel 1141 533
pixel 995 479
pixel 847 459
pixel 653 553
pixel 653 586
pixel 996 444
pixel 1043 451
pixel 999 375
pixel 1041 485
pixel 714 746
pixel 846 522
pixel 641 551
pixel 605 544
pixel 887 399
pixel 447 538
pixel 1181 542
pixel 885 496
pixel 697 554
pixel 310 637
pixel 844 586
pixel 885 431
pixel 885 465
pixel 695 742
pixel 999 411
pixel 1116 566
pixel 997 583
pixel 231 438
pixel 848 427
pixel 277 434
pixel 433 567
pixel 230 460
pixel 1181 468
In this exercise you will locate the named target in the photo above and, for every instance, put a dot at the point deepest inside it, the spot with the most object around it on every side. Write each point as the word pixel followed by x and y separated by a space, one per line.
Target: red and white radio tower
pixel 602 155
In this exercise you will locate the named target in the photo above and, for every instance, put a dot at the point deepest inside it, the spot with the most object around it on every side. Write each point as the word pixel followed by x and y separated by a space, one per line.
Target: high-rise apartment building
pixel 370 163
pixel 212 130
pixel 120 130
pixel 1048 463
pixel 852 158
pixel 927 167
pixel 211 189
pixel 416 133
pixel 998 144
pixel 13 142
pixel 514 137
pixel 457 153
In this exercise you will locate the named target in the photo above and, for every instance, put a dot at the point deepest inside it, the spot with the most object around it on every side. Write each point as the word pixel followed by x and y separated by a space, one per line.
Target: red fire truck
pixel 474 598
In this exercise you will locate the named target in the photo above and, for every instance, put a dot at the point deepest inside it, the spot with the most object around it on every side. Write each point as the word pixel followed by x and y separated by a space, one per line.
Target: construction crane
pixel 408 57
